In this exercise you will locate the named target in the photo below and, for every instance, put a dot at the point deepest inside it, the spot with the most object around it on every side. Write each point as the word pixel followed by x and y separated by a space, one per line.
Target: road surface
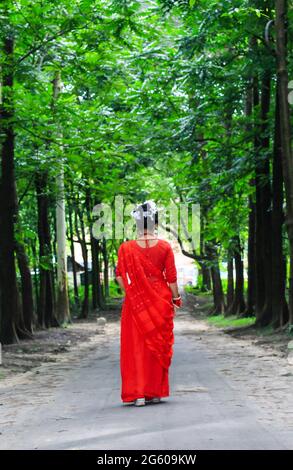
pixel 225 393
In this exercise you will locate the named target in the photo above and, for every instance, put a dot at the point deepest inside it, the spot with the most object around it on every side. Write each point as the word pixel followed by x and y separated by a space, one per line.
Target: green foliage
pixel 196 290
pixel 152 106
pixel 114 290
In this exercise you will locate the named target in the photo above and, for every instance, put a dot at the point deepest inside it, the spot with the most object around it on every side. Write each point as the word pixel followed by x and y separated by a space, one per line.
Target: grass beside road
pixel 233 321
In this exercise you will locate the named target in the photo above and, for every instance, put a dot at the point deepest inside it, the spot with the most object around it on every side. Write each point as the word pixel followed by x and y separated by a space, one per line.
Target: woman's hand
pixel 177 301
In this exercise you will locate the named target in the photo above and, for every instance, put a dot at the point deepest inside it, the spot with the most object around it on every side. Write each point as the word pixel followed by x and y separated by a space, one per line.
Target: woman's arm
pixel 171 277
pixel 177 302
pixel 120 282
pixel 174 289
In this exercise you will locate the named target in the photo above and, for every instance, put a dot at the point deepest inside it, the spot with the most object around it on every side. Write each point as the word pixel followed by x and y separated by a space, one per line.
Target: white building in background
pixel 187 271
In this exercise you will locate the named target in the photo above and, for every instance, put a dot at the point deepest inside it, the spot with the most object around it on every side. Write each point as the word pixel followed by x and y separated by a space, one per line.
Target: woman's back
pixel 160 253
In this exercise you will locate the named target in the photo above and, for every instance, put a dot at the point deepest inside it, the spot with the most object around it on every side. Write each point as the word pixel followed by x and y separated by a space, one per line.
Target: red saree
pixel 146 334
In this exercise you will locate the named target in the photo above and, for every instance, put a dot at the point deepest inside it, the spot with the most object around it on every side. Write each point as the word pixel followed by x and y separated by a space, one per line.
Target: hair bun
pixel 145 210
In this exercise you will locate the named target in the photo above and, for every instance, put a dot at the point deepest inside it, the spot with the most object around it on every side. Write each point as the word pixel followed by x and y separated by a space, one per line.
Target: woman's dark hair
pixel 148 219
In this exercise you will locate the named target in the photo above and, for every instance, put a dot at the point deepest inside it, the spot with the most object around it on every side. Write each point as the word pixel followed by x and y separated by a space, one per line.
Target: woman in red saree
pixel 146 271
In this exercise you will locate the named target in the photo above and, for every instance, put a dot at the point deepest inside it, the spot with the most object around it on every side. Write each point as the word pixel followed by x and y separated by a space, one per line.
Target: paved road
pixel 77 405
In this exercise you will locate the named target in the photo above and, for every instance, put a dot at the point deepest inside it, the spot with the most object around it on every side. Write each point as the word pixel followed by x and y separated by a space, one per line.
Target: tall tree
pixel 9 292
pixel 281 25
pixel 62 304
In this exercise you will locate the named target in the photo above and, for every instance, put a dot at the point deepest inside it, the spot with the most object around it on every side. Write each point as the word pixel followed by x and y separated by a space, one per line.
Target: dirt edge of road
pixel 275 341
pixel 53 345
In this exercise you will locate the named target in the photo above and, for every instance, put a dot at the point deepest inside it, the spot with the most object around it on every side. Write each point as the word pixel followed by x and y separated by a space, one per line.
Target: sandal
pixel 154 400
pixel 139 402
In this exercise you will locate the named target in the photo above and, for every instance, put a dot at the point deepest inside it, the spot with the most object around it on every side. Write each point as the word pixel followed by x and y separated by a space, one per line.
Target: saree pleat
pixel 146 335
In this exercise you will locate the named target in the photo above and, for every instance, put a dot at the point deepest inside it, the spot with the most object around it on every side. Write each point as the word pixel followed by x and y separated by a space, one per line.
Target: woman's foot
pixel 139 402
pixel 154 400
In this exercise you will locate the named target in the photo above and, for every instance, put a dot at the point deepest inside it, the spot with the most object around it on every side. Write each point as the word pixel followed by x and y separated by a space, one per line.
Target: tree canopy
pixel 181 100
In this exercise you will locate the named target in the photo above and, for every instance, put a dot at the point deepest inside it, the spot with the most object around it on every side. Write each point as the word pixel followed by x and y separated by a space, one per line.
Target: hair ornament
pixel 138 213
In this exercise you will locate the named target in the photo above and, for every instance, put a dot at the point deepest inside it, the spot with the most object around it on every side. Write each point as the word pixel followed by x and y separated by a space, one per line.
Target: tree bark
pixel 8 282
pixel 238 305
pixel 106 267
pixel 28 319
pixel 251 273
pixel 46 306
pixel 72 252
pixel 279 303
pixel 204 269
pixel 62 305
pixel 230 281
pixel 263 308
pixel 218 294
pixel 281 8
pixel 82 240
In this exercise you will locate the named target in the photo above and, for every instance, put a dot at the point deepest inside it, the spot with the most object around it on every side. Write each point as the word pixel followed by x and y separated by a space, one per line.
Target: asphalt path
pixel 217 399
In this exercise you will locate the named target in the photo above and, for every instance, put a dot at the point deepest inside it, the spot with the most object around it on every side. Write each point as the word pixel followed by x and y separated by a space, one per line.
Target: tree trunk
pixel 95 272
pixel 46 306
pixel 265 316
pixel 106 267
pixel 218 294
pixel 281 22
pixel 251 274
pixel 62 305
pixel 263 309
pixel 251 271
pixel 27 317
pixel 94 252
pixel 35 267
pixel 72 252
pixel 101 298
pixel 279 307
pixel 8 282
pixel 230 282
pixel 26 291
pixel 238 306
pixel 82 240
pixel 204 270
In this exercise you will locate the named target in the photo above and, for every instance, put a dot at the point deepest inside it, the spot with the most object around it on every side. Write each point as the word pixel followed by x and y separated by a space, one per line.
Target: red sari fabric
pixel 146 333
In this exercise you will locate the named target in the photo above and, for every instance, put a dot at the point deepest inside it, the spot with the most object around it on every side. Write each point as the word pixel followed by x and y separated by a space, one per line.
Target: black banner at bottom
pixel 136 459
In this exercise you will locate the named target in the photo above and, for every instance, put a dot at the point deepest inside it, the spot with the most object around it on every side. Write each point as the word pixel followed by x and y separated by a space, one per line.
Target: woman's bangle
pixel 176 298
